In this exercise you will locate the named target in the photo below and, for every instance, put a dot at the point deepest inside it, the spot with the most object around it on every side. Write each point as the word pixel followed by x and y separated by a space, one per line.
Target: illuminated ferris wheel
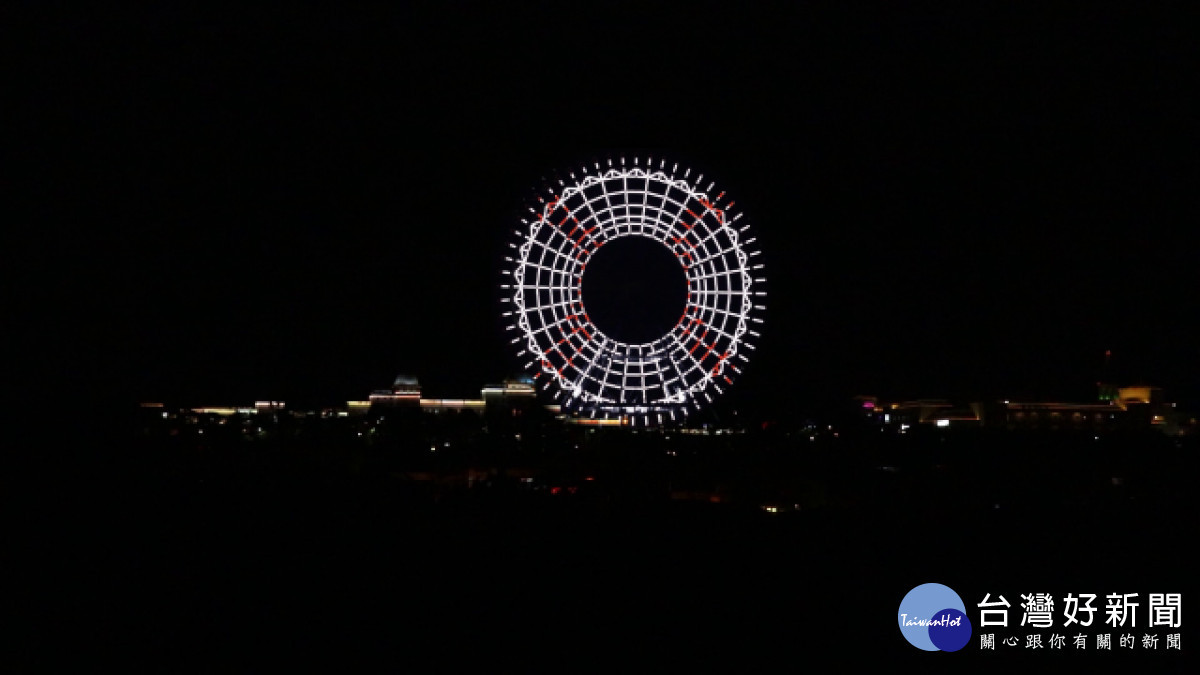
pixel 584 364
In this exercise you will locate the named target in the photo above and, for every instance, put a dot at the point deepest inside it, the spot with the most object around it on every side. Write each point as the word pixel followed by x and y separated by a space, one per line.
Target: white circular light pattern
pixel 589 371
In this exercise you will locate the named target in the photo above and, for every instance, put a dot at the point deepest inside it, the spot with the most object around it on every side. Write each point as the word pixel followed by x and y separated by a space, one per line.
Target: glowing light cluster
pixel 589 371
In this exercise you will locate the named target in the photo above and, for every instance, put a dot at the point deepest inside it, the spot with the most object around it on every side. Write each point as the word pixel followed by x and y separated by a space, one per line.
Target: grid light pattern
pixel 592 373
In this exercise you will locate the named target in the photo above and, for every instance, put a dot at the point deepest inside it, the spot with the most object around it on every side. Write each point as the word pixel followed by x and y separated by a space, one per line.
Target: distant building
pixel 513 393
pixel 931 411
pixel 437 405
pixel 509 406
pixel 405 391
pixel 1056 416
pixel 358 408
pixel 400 403
pixel 1134 407
pixel 513 398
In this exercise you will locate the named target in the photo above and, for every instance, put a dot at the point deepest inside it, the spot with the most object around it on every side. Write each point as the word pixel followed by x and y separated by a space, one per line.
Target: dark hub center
pixel 634 289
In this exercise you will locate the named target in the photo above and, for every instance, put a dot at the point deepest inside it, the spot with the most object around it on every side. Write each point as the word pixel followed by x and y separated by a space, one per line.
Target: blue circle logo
pixel 932 617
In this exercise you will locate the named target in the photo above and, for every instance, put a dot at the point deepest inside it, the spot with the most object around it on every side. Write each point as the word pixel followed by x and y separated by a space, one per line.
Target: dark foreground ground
pixel 180 572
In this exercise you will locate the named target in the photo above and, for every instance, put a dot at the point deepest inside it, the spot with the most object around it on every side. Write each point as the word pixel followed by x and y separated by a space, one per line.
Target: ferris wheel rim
pixel 703 348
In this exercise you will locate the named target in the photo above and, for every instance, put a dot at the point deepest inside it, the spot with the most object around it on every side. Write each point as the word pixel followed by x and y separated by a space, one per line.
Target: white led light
pixel 575 355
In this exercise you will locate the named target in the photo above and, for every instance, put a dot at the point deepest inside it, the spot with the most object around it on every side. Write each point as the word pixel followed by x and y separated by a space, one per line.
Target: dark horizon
pixel 759 406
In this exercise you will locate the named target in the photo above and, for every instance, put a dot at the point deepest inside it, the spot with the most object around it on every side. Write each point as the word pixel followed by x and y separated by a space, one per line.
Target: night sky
pixel 299 204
